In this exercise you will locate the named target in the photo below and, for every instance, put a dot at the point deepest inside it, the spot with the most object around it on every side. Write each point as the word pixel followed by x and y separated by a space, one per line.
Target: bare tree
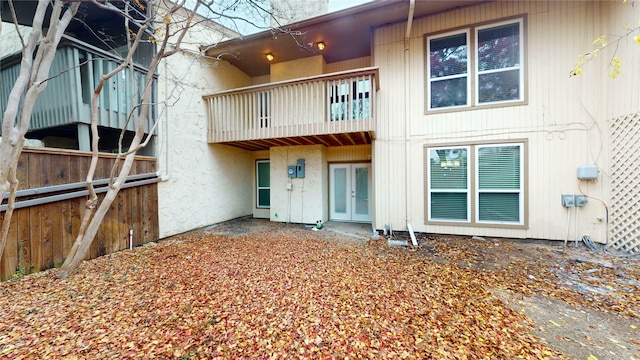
pixel 162 22
pixel 32 80
pixel 93 217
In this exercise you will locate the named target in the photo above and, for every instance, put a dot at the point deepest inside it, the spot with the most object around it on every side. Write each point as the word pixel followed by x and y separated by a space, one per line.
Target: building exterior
pixel 452 117
pixel 455 117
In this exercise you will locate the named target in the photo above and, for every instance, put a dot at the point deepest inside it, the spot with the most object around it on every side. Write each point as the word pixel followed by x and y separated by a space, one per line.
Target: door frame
pixel 350 215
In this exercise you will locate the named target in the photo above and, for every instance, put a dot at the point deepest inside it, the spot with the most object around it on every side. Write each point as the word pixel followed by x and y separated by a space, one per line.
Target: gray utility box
pixel 588 172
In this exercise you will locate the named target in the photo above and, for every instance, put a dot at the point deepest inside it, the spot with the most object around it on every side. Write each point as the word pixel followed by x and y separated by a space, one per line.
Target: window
pixel 349 99
pixel 476 184
pixel 490 64
pixel 263 182
pixel 448 73
pixel 449 184
pixel 499 185
pixel 263 104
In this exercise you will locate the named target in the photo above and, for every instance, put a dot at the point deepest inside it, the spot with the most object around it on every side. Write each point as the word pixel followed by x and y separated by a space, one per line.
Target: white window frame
pixel 473 73
pixel 258 187
pixel 520 67
pixel 477 190
pixel 473 187
pixel 466 75
pixel 467 190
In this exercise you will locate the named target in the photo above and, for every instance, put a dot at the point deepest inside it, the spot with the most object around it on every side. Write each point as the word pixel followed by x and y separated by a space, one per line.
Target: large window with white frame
pixel 476 184
pixel 476 66
pixel 263 184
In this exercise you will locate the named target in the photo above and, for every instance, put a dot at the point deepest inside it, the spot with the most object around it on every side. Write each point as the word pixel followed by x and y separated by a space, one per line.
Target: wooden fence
pixel 51 200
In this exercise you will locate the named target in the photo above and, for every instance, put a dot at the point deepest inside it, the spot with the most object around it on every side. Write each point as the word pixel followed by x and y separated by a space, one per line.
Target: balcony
pixel 66 101
pixel 332 109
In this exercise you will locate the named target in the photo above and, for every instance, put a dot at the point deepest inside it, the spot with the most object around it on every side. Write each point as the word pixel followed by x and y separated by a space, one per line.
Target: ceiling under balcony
pixel 346 35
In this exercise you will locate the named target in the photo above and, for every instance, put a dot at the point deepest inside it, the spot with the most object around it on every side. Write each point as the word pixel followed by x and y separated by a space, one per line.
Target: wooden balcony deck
pixel 331 109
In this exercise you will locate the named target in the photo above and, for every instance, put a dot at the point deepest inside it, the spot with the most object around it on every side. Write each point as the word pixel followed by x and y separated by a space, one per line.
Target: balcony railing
pixel 75 71
pixel 342 102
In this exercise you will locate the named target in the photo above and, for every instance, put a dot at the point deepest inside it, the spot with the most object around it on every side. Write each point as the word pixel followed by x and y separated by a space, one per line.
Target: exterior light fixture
pixel 320 45
pixel 269 56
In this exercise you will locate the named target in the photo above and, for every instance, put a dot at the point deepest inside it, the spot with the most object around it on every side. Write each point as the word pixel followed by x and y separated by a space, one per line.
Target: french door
pixel 350 192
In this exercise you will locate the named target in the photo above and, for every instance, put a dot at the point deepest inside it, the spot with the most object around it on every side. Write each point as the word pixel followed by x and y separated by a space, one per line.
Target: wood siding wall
pixel 40 236
pixel 563 120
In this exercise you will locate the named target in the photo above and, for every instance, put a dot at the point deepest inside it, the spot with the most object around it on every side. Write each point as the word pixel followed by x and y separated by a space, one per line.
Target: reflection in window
pixel 448 57
pixel 349 99
pixel 263 104
pixel 263 182
pixel 499 63
pixel 498 193
pixel 497 70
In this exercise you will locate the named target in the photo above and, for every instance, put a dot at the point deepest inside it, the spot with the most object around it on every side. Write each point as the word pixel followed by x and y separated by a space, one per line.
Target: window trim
pixel 472 72
pixel 467 75
pixel 477 191
pixel 258 188
pixel 468 189
pixel 472 163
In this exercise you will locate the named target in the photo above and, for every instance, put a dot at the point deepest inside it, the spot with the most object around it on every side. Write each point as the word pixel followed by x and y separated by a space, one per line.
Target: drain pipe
pixel 407 132
pixel 165 172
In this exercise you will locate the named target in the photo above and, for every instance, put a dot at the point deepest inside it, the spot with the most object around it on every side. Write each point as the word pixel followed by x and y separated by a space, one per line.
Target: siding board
pixel 563 119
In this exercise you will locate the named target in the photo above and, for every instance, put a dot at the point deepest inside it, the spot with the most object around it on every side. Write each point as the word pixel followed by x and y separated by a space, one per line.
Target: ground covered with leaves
pixel 279 292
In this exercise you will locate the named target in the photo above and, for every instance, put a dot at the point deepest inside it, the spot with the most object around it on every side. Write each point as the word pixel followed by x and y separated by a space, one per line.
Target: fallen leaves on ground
pixel 602 280
pixel 279 294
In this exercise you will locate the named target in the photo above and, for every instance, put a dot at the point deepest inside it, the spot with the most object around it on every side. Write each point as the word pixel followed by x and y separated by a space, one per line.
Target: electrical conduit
pixel 407 133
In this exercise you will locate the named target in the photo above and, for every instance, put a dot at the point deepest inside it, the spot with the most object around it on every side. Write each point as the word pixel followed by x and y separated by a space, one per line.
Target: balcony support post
pixel 84 144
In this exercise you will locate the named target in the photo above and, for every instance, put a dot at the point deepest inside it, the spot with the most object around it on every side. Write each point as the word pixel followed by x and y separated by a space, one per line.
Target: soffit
pixel 346 34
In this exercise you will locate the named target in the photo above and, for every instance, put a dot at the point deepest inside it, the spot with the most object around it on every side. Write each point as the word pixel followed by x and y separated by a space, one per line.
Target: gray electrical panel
pixel 588 172
pixel 568 200
pixel 300 168
pixel 581 200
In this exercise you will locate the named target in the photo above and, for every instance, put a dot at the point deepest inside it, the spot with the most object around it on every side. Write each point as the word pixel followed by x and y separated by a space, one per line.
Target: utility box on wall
pixel 291 171
pixel 568 200
pixel 300 168
pixel 588 172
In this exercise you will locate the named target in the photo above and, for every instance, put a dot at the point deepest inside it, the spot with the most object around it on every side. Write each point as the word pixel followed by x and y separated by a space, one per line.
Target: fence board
pixel 59 170
pixel 24 242
pixel 22 171
pixel 66 232
pixel 77 208
pixel 33 171
pixel 45 170
pixel 123 219
pixel 136 216
pixel 35 238
pixel 57 227
pixel 47 243
pixel 9 259
pixel 146 216
pixel 41 236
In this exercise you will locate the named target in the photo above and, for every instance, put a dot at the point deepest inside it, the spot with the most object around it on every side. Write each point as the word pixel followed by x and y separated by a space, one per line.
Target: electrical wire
pixel 606 211
pixel 586 239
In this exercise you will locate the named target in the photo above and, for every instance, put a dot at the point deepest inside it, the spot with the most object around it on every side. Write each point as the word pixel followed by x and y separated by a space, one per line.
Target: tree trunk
pixel 31 81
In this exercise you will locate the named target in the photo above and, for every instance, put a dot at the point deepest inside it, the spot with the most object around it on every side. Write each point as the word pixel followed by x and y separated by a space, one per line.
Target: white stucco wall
pixel 9 41
pixel 307 200
pixel 202 183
